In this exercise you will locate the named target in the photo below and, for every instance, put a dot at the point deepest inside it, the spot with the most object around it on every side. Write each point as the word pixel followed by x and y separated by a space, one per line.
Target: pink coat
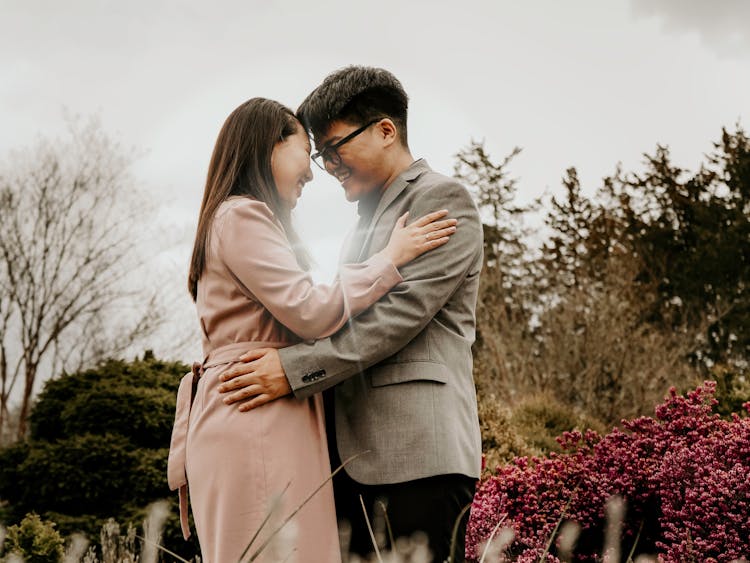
pixel 253 294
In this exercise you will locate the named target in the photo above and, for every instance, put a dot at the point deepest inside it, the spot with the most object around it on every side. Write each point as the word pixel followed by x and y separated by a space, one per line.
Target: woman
pixel 248 277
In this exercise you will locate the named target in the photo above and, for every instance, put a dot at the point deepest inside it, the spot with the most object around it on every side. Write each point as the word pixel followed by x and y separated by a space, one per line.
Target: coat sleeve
pixel 391 323
pixel 254 248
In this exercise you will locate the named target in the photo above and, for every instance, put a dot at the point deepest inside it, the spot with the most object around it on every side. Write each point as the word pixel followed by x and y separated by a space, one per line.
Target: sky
pixel 581 83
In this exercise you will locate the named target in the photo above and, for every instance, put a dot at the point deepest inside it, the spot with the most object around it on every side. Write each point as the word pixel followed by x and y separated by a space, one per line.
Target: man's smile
pixel 343 175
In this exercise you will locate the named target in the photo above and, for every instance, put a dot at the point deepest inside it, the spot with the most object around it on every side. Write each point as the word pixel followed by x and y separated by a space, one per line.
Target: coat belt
pixel 176 472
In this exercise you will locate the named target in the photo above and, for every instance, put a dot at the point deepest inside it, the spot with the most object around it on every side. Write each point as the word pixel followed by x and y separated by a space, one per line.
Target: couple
pixel 386 347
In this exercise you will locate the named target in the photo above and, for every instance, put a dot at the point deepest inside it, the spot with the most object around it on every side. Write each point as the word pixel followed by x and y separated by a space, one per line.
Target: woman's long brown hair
pixel 241 165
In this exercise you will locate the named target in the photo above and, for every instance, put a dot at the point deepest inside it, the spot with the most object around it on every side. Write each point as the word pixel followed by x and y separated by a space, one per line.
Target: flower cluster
pixel 684 475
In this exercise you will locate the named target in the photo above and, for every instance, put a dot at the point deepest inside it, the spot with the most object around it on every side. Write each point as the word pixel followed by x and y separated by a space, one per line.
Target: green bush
pixel 86 474
pixel 528 428
pixel 732 390
pixel 35 540
pixel 134 399
pixel 500 440
pixel 98 450
pixel 540 419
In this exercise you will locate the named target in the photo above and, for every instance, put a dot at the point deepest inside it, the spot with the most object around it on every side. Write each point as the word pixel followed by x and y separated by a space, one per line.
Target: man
pixel 401 372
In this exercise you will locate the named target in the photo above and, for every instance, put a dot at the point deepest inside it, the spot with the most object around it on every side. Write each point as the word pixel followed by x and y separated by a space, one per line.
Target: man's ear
pixel 388 130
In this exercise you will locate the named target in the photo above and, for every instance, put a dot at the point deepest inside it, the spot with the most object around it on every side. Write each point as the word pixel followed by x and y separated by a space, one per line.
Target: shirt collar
pixel 367 205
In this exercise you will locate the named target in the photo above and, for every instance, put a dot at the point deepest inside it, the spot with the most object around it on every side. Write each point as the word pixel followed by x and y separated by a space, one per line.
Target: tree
pixel 505 282
pixel 692 232
pixel 69 225
pixel 583 237
pixel 628 292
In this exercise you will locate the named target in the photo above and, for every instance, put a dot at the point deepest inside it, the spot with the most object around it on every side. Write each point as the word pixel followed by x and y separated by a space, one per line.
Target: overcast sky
pixel 584 83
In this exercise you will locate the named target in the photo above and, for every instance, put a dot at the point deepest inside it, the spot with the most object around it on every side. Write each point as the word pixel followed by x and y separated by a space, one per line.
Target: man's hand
pixel 260 379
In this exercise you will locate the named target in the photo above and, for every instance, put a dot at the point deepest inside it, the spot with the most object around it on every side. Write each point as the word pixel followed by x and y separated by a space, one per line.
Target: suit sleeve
pixel 390 324
pixel 255 249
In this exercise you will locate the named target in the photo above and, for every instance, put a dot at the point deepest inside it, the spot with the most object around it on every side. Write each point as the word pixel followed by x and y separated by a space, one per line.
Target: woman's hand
pixel 428 232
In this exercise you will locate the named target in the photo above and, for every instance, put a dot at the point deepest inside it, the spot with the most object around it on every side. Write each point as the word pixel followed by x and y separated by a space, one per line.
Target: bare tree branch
pixel 66 251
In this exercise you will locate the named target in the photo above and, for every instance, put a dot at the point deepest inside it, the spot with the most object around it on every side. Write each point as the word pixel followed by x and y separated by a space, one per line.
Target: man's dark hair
pixel 355 94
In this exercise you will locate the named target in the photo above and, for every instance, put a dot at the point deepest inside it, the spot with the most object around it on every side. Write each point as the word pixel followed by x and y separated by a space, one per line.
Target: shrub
pixel 732 389
pixel 98 449
pixel 539 419
pixel 134 399
pixel 501 442
pixel 35 540
pixel 683 474
pixel 588 346
pixel 529 428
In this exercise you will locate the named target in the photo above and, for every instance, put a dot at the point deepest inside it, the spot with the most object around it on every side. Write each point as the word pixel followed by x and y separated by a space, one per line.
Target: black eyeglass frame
pixel 321 157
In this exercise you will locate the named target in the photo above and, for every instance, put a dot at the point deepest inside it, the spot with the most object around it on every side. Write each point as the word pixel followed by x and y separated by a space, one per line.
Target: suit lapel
pixel 391 194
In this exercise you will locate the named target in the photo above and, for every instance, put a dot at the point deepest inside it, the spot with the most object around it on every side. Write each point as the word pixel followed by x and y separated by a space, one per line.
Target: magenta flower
pixel 684 474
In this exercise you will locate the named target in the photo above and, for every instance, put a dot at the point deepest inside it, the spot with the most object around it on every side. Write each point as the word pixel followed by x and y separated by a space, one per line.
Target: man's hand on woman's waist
pixel 258 379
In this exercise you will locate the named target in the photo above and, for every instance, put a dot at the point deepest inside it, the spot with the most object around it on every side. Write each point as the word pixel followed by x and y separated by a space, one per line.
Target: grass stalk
pixel 304 502
pixel 271 510
pixel 615 511
pixel 557 527
pixel 369 529
pixel 454 535
pixel 635 543
pixel 162 548
pixel 388 528
pixel 492 535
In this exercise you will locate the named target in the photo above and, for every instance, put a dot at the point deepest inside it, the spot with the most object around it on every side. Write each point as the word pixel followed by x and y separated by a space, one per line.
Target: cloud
pixel 723 25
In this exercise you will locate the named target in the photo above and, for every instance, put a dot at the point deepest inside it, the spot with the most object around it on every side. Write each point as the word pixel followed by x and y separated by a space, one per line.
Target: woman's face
pixel 290 165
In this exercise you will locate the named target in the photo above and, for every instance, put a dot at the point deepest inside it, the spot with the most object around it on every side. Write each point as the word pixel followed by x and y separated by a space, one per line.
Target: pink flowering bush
pixel 684 475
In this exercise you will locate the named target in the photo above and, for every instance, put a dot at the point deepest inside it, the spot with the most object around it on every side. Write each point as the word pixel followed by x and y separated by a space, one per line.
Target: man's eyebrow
pixel 327 143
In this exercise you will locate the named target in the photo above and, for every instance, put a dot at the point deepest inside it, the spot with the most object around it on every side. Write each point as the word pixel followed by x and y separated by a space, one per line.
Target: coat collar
pixel 415 170
pixel 402 181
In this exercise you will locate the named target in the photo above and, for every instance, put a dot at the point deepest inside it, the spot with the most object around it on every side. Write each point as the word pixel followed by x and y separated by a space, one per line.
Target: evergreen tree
pixel 692 233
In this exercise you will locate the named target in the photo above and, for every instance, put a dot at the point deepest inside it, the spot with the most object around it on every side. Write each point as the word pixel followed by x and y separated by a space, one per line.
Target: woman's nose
pixel 308 174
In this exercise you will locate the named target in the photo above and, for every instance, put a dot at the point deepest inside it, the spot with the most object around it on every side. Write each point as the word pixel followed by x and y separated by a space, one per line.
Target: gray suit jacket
pixel 403 368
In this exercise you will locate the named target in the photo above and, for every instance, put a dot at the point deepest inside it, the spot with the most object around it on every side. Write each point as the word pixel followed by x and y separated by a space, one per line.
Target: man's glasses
pixel 330 153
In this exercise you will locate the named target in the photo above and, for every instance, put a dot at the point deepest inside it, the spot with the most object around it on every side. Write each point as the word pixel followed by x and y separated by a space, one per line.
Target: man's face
pixel 359 164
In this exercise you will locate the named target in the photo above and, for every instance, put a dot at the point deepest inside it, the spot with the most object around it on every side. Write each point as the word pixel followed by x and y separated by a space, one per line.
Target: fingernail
pixel 226 401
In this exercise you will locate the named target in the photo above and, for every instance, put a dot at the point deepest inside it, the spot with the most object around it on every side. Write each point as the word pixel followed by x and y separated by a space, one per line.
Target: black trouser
pixel 431 505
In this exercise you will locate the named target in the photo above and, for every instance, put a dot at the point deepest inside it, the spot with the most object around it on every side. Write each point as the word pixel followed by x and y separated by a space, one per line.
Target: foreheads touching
pixel 355 95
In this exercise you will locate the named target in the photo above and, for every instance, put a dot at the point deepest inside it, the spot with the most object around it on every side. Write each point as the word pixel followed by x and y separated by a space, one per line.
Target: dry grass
pixel 591 346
